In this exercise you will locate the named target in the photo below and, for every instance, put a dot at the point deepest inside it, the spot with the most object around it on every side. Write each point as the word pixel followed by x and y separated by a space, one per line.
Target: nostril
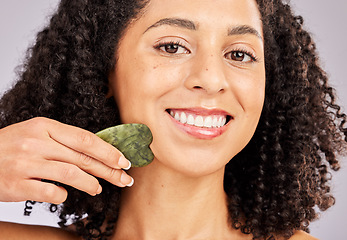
pixel 197 87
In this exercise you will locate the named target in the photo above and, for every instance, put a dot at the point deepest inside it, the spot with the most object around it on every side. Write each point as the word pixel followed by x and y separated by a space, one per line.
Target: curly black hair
pixel 273 185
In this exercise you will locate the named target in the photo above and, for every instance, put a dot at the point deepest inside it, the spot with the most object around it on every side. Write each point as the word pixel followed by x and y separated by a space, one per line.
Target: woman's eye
pixel 172 48
pixel 240 56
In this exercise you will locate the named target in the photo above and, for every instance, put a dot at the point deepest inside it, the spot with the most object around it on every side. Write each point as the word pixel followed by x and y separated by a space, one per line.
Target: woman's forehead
pixel 201 13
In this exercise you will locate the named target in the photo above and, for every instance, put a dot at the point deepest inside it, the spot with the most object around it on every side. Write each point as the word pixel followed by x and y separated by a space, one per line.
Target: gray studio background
pixel 326 20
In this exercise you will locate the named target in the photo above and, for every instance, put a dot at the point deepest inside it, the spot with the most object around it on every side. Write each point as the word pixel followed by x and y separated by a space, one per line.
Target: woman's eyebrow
pixel 244 29
pixel 178 22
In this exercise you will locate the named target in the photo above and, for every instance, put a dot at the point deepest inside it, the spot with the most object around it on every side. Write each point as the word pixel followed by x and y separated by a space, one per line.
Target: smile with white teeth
pixel 211 121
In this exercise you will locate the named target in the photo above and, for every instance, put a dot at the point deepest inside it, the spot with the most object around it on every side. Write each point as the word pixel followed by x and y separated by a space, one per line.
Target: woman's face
pixel 193 72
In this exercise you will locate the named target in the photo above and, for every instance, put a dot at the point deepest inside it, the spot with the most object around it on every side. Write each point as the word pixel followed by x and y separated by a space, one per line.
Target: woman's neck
pixel 163 204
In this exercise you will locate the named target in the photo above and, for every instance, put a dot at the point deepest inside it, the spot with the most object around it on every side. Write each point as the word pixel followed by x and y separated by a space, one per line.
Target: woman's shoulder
pixel 301 235
pixel 16 231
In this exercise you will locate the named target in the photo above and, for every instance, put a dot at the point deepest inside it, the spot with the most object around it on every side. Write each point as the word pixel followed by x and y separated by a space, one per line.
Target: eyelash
pixel 179 44
pixel 244 51
pixel 170 43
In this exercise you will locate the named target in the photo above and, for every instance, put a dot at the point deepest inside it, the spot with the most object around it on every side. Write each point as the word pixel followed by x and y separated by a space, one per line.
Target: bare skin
pixel 13 231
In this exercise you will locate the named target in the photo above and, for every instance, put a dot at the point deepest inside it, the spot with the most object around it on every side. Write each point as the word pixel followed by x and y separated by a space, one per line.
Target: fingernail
pixel 126 180
pixel 131 183
pixel 129 166
pixel 99 190
pixel 124 163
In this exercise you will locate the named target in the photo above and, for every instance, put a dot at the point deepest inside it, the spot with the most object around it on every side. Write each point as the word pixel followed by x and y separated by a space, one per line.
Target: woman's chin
pixel 187 167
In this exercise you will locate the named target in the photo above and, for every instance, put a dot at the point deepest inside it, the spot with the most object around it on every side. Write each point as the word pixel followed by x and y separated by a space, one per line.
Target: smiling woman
pixel 244 123
pixel 205 82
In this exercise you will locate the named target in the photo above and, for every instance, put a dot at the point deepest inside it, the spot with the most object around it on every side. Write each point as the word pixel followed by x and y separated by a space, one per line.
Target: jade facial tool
pixel 132 140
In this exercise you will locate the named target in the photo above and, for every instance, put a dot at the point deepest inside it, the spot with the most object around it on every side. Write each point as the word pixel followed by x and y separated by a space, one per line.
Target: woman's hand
pixel 42 148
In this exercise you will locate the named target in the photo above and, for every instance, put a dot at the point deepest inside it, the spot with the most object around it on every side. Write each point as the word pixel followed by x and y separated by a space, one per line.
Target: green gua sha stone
pixel 132 140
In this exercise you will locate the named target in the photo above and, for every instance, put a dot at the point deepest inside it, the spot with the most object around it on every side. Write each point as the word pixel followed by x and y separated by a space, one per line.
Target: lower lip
pixel 199 132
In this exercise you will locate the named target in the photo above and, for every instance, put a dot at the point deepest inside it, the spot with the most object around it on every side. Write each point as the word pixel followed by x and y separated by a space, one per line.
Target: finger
pixel 65 173
pixel 58 152
pixel 88 143
pixel 39 191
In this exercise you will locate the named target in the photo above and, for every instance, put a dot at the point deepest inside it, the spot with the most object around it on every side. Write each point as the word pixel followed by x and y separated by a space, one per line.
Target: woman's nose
pixel 207 75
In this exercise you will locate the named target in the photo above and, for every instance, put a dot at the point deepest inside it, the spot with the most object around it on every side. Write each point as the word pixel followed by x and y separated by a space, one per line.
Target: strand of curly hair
pixel 273 184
